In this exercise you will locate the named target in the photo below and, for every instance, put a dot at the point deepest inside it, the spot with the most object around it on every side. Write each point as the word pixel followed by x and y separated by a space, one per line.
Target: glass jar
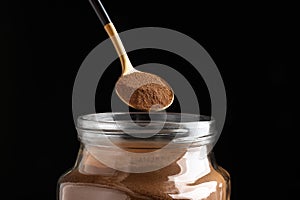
pixel 139 156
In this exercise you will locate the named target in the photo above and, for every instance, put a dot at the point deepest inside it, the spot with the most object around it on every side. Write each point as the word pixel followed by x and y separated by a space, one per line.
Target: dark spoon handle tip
pixel 100 11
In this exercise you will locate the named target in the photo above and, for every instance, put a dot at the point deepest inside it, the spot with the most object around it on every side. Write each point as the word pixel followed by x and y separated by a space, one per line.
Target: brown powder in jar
pixel 144 91
pixel 153 185
pixel 137 186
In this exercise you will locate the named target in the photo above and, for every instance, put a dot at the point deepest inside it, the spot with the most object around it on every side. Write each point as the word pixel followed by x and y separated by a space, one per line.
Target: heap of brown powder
pixel 144 91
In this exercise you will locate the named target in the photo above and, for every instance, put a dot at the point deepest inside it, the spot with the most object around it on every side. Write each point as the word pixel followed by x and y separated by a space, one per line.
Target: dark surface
pixel 254 46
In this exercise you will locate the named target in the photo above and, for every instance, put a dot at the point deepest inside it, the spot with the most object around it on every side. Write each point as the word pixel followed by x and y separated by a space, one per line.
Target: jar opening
pixel 178 127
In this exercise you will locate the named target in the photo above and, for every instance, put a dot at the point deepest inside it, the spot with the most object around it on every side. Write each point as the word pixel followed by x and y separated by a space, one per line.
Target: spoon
pixel 140 90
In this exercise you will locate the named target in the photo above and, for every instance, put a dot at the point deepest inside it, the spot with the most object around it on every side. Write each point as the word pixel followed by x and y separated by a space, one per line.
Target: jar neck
pixel 192 161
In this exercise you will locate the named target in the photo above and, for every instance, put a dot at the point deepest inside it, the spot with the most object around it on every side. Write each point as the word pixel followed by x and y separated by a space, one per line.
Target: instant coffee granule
pixel 145 91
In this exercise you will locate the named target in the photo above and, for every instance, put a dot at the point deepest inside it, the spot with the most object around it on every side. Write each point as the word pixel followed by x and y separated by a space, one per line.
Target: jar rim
pixel 186 127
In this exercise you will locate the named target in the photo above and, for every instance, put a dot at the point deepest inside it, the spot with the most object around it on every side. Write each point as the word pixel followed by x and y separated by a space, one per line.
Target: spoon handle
pixel 113 35
pixel 100 11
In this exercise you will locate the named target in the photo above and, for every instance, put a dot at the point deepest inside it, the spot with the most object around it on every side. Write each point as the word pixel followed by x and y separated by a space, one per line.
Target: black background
pixel 254 46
